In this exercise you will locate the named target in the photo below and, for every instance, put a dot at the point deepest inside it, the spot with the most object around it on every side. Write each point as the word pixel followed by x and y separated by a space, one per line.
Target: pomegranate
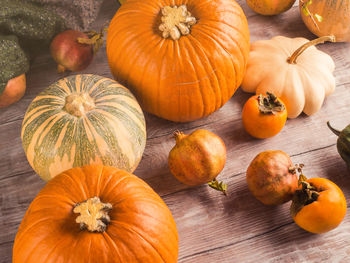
pixel 272 178
pixel 74 50
pixel 198 158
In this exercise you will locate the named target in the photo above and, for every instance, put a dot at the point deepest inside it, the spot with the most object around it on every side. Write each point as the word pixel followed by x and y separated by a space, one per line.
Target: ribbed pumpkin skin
pixel 186 79
pixel 336 18
pixel 142 228
pixel 113 133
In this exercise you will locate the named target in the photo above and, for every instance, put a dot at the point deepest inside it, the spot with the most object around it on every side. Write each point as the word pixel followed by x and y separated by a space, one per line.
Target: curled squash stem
pixel 292 59
pixel 336 132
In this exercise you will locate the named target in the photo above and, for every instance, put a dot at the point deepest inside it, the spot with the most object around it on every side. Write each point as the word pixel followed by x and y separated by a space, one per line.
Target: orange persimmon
pixel 318 205
pixel 13 91
pixel 264 116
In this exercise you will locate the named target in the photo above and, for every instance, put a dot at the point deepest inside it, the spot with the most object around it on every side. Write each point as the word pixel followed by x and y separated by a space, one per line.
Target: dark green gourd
pixel 343 142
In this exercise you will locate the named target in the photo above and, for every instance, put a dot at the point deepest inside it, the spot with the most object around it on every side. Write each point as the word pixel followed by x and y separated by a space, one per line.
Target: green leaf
pixel 305 11
pixel 308 3
pixel 305 8
pixel 318 17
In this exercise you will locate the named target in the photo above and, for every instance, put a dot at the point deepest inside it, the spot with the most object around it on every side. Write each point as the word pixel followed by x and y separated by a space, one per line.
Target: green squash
pixel 80 120
pixel 343 142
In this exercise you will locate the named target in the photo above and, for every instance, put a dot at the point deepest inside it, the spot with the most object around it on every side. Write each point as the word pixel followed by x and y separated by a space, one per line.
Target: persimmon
pixel 264 116
pixel 318 205
pixel 13 91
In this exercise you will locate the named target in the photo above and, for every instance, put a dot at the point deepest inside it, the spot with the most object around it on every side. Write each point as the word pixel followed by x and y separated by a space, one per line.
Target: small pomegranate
pixel 272 178
pixel 13 91
pixel 198 158
pixel 74 50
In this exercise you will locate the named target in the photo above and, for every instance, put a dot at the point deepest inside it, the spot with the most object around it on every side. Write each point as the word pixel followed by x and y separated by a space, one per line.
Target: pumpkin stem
pixel 179 136
pixel 336 132
pixel 304 196
pixel 270 104
pixel 93 215
pixel 176 21
pixel 219 186
pixel 292 59
pixel 78 104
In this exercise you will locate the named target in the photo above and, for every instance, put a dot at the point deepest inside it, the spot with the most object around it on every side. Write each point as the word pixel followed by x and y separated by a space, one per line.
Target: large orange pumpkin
pixel 96 214
pixel 183 59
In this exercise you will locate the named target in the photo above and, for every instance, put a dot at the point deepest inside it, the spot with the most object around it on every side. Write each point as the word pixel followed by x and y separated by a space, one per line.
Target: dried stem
pixel 292 59
pixel 219 186
pixel 95 38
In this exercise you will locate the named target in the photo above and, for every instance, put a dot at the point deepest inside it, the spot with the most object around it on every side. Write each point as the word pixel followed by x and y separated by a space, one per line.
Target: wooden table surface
pixel 212 227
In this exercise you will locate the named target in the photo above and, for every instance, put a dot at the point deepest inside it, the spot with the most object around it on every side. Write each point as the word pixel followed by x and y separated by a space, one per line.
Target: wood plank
pixel 212 227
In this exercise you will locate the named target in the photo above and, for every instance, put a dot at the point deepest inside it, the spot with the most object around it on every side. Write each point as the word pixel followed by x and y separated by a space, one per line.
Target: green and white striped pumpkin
pixel 80 120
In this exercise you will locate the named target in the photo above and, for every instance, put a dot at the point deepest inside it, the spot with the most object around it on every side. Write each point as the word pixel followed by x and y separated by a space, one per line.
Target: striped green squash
pixel 80 120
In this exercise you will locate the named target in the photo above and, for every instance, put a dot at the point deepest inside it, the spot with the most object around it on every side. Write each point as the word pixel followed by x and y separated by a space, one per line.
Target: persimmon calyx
pixel 93 215
pixel 176 21
pixel 78 104
pixel 303 197
pixel 269 104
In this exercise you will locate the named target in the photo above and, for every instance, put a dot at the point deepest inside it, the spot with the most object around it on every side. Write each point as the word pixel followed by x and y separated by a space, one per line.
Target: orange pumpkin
pixel 182 59
pixel 327 17
pixel 264 116
pixel 318 205
pixel 96 214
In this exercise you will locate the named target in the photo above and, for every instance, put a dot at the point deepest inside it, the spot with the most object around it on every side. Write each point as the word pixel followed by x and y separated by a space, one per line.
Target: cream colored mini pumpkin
pixel 294 70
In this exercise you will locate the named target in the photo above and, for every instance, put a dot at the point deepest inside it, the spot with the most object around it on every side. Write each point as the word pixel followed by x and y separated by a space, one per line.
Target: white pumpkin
pixel 292 69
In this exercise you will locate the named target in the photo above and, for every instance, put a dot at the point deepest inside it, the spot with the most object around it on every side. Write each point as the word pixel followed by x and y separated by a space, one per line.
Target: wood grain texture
pixel 212 227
